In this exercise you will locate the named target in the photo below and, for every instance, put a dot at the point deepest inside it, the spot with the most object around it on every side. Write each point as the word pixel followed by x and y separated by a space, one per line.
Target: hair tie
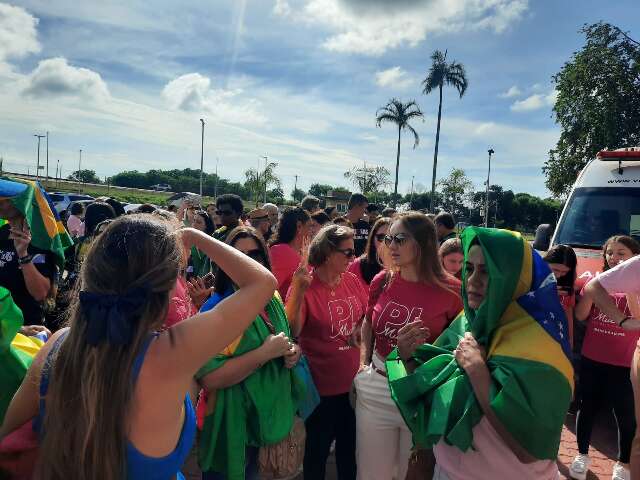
pixel 112 318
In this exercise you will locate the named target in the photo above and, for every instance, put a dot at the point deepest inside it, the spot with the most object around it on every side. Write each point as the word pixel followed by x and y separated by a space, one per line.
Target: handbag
pixel 311 399
pixel 422 463
pixel 284 459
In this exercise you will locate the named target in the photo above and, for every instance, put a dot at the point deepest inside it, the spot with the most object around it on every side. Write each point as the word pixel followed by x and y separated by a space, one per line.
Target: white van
pixel 604 201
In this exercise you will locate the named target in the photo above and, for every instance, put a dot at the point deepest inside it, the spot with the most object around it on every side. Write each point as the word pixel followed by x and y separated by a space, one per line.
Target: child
pixel 562 261
pixel 452 257
pixel 605 368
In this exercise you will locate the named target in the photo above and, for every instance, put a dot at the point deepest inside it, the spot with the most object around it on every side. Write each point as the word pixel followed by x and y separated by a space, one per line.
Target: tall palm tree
pixel 440 74
pixel 400 113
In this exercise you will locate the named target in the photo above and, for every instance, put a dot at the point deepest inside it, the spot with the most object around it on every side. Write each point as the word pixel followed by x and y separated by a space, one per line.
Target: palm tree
pixel 400 113
pixel 442 73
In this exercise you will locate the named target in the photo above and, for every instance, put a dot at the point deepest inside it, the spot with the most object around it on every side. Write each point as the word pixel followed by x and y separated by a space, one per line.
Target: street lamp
pixel 38 164
pixel 201 156
pixel 265 178
pixel 486 204
pixel 47 156
pixel 57 170
pixel 79 167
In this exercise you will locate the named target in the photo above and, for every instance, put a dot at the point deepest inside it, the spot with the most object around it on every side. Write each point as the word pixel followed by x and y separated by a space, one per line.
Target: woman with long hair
pixel 371 262
pixel 110 393
pixel 286 247
pixel 492 392
pixel 605 368
pixel 325 309
pixel 419 299
pixel 249 385
pixel 452 257
pixel 563 263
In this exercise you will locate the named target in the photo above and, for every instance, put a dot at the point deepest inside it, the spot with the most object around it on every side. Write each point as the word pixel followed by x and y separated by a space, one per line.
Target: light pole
pixel 201 156
pixel 412 179
pixel 486 203
pixel 47 156
pixel 215 188
pixel 79 168
pixel 38 164
pixel 57 170
pixel 265 178
pixel 295 187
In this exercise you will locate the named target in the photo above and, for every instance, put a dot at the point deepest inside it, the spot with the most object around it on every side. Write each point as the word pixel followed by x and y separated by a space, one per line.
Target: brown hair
pixel 423 231
pixel 91 387
pixel 343 222
pixel 453 245
pixel 629 242
pixel 326 242
pixel 369 262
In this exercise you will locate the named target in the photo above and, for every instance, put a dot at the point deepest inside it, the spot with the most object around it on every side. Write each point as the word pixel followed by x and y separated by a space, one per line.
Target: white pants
pixel 439 474
pixel 384 442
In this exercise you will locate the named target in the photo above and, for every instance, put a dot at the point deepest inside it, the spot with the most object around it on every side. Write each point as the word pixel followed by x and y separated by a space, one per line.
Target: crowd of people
pixel 199 339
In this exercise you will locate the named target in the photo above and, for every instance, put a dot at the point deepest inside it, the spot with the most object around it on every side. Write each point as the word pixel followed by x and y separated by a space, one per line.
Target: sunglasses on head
pixel 399 239
pixel 347 252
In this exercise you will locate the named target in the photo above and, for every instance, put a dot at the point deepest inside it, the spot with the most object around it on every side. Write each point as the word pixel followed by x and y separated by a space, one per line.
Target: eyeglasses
pixel 347 252
pixel 399 239
pixel 224 213
pixel 380 237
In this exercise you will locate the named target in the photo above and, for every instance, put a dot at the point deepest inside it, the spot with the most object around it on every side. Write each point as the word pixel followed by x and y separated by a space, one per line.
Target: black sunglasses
pixel 347 252
pixel 255 254
pixel 399 239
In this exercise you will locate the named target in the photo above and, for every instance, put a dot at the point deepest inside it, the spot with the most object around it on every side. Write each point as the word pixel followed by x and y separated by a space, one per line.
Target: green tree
pixel 368 179
pixel 440 74
pixel 454 189
pixel 598 105
pixel 319 190
pixel 400 113
pixel 259 181
pixel 84 176
pixel 298 194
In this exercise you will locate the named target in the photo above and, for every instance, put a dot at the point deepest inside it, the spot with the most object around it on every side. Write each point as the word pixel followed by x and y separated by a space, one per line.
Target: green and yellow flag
pixel 47 230
pixel 524 330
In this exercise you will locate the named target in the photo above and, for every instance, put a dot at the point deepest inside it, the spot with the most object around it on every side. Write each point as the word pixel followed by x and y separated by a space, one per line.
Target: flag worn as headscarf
pixel 47 230
pixel 524 330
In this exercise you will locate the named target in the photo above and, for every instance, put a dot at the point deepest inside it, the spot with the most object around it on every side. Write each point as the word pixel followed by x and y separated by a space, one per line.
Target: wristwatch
pixel 24 260
pixel 624 320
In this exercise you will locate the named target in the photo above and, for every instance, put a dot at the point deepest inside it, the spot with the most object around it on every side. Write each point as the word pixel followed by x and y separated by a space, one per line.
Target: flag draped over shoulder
pixel 256 412
pixel 16 350
pixel 47 230
pixel 524 330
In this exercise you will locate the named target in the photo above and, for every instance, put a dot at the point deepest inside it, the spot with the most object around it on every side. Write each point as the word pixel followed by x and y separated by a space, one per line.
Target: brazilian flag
pixel 47 230
pixel 16 350
pixel 524 330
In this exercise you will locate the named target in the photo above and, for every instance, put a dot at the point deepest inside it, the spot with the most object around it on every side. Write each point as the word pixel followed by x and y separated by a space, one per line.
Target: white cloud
pixel 55 77
pixel 282 8
pixel 394 77
pixel 18 36
pixel 372 27
pixel 193 93
pixel 535 102
pixel 512 92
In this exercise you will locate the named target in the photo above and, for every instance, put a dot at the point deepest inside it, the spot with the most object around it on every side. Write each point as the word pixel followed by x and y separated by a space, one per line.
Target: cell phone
pixel 209 280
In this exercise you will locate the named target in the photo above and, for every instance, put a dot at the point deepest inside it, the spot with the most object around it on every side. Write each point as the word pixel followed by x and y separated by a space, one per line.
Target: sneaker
pixel 579 467
pixel 620 473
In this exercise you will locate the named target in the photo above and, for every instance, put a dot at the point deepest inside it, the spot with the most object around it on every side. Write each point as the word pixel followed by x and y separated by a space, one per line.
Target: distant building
pixel 339 199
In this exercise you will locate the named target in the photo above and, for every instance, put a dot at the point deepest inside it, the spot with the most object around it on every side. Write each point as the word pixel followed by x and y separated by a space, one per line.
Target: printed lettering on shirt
pixel 393 318
pixel 341 313
pixel 606 322
pixel 6 257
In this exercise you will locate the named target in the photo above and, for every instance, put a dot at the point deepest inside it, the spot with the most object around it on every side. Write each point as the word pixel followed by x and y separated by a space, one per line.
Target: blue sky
pixel 297 80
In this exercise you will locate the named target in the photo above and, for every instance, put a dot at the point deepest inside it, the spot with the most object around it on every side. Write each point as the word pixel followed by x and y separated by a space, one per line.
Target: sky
pixel 298 81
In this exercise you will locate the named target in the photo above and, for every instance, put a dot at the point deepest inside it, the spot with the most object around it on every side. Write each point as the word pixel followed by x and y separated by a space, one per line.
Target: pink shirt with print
pixel 284 263
pixel 330 316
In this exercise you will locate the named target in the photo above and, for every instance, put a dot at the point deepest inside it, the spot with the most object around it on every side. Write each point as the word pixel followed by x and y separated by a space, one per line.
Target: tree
pixel 454 189
pixel 259 182
pixel 400 113
pixel 298 194
pixel 368 179
pixel 597 106
pixel 85 176
pixel 440 74
pixel 319 190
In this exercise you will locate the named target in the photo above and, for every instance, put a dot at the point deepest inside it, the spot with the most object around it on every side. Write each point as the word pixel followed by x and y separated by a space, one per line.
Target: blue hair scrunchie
pixel 112 318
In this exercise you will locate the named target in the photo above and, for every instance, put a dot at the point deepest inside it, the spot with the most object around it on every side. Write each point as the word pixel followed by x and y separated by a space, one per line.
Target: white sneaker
pixel 620 473
pixel 579 467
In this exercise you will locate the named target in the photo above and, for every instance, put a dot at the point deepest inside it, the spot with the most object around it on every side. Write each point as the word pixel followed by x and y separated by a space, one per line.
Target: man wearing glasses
pixel 229 208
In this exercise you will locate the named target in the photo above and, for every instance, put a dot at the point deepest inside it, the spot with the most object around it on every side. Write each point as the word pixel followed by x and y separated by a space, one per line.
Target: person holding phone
pixel 26 271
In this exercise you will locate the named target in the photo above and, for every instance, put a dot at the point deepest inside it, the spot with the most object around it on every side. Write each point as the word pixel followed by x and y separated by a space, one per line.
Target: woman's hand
pixel 275 346
pixel 188 236
pixel 470 355
pixel 631 324
pixel 198 291
pixel 292 357
pixel 410 337
pixel 33 330
pixel 301 277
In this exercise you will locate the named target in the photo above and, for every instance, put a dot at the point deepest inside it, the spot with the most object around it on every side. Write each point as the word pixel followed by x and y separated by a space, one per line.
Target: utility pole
pixel 47 156
pixel 79 169
pixel 201 157
pixel 215 188
pixel 412 179
pixel 265 178
pixel 57 169
pixel 38 164
pixel 486 204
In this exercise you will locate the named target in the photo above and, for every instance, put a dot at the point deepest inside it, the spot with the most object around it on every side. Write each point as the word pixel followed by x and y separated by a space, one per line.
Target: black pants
pixel 602 385
pixel 333 419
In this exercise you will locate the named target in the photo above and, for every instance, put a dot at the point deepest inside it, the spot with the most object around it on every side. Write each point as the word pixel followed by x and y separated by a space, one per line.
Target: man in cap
pixel 259 219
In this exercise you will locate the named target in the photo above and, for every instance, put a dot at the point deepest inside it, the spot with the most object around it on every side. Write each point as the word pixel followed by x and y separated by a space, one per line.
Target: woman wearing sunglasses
pixel 325 309
pixel 409 306
pixel 249 386
pixel 369 265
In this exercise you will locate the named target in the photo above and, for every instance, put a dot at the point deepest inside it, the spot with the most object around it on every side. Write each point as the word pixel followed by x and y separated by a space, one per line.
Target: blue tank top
pixel 139 466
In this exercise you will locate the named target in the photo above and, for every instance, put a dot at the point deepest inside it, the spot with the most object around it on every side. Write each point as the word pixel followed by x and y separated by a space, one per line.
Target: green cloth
pixel 14 363
pixel 200 262
pixel 521 325
pixel 256 412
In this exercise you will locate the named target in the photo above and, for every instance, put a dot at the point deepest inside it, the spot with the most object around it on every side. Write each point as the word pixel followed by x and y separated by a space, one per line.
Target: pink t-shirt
pixel 623 278
pixel 284 262
pixel 605 341
pixel 75 225
pixel 180 306
pixel 402 301
pixel 354 268
pixel 330 316
pixel 490 457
